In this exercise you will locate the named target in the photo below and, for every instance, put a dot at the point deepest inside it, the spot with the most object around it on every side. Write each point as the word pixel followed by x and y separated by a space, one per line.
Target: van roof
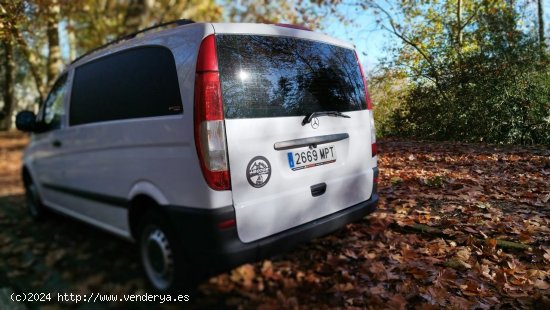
pixel 277 30
pixel 145 35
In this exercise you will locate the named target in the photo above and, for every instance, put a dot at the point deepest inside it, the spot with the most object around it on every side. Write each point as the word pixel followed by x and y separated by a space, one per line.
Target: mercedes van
pixel 208 144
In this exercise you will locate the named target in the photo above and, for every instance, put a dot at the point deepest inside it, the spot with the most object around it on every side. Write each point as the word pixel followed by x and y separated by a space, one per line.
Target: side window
pixel 54 109
pixel 135 83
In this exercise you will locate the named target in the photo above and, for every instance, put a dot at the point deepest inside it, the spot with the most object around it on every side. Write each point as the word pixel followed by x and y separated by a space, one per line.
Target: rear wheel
pixel 33 201
pixel 162 255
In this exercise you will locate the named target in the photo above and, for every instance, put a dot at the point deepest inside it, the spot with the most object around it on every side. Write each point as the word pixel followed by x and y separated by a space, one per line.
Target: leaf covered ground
pixel 458 226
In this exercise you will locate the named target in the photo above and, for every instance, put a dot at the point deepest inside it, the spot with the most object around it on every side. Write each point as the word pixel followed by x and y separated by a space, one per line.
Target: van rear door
pixel 298 130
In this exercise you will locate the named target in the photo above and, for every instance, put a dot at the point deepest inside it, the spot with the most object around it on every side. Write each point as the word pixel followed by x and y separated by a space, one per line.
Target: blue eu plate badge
pixel 290 160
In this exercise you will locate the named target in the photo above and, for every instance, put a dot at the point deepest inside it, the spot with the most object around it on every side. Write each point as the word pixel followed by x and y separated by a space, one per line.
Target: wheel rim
pixel 157 257
pixel 32 200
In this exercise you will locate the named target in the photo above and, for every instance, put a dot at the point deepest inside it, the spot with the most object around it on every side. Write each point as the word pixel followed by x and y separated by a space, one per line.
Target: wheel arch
pixel 139 206
pixel 144 198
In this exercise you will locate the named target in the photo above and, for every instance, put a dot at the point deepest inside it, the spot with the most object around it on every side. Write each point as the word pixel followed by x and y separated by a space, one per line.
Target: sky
pixel 369 40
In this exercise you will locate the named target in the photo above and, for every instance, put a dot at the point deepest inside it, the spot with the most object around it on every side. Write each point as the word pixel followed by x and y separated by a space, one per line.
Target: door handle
pixel 318 189
pixel 56 143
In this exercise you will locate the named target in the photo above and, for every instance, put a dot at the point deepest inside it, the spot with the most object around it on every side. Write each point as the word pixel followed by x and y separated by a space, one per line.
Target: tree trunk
pixel 542 42
pixel 33 62
pixel 54 55
pixel 72 41
pixel 134 16
pixel 9 96
pixel 459 26
pixel 17 39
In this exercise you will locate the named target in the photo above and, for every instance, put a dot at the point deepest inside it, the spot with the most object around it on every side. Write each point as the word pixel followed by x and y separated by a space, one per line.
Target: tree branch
pixel 400 35
pixel 469 19
pixel 405 39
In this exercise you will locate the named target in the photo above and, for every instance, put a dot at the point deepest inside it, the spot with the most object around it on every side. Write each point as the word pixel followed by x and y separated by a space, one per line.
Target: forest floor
pixel 458 226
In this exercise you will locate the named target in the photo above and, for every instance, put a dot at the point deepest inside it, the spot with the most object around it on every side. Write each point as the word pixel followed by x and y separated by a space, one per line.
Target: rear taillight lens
pixel 374 150
pixel 209 122
pixel 369 102
pixel 212 143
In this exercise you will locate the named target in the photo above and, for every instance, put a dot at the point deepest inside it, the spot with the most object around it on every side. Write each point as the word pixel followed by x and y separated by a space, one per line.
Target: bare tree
pixel 8 94
pixel 54 55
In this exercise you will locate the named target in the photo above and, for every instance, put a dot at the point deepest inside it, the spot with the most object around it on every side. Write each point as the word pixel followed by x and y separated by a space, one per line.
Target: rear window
pixel 263 76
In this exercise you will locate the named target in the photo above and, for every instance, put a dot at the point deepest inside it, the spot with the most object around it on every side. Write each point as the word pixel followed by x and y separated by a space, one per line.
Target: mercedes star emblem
pixel 315 123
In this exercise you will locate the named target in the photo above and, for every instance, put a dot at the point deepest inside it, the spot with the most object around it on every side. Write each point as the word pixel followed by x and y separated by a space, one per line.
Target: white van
pixel 209 144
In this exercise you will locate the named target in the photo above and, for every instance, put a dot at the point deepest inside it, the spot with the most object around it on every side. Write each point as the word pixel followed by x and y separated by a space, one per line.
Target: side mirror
pixel 25 121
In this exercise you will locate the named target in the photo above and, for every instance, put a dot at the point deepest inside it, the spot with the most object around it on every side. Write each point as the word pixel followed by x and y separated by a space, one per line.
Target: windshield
pixel 263 76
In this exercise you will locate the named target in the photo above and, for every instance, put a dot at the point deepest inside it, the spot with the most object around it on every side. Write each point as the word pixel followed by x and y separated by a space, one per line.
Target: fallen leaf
pixel 542 285
pixel 54 256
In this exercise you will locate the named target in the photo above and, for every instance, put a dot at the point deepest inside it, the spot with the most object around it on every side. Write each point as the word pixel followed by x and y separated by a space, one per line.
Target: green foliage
pixel 497 103
pixel 478 78
pixel 387 90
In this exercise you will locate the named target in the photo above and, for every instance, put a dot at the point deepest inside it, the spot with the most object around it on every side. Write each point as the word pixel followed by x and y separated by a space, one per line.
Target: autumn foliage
pixel 459 226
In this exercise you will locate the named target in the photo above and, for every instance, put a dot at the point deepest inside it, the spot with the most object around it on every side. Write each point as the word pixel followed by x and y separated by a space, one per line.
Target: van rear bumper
pixel 218 250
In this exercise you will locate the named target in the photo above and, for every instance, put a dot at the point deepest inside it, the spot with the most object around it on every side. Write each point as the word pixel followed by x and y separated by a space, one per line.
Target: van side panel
pixel 103 161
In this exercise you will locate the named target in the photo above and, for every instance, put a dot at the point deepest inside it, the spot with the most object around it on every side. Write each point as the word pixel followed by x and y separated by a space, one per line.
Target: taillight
pixel 208 118
pixel 374 150
pixel 369 102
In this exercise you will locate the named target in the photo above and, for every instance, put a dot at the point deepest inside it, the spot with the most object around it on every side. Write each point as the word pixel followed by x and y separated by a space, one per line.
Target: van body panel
pixel 105 216
pixel 108 158
pixel 143 149
pixel 286 199
pixel 42 157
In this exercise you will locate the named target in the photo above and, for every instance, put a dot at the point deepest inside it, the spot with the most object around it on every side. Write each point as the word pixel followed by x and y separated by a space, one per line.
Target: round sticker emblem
pixel 258 171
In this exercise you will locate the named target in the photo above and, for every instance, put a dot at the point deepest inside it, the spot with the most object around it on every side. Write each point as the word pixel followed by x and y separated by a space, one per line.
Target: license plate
pixel 311 157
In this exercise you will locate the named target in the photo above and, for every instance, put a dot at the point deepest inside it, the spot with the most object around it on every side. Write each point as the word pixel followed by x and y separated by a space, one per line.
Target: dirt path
pixel 470 194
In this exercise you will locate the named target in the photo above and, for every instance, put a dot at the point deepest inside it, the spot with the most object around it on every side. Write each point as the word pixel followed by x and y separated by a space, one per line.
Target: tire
pixel 33 202
pixel 162 256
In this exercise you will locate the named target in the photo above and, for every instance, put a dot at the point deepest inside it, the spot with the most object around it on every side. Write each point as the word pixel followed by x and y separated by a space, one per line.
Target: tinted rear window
pixel 263 76
pixel 135 83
